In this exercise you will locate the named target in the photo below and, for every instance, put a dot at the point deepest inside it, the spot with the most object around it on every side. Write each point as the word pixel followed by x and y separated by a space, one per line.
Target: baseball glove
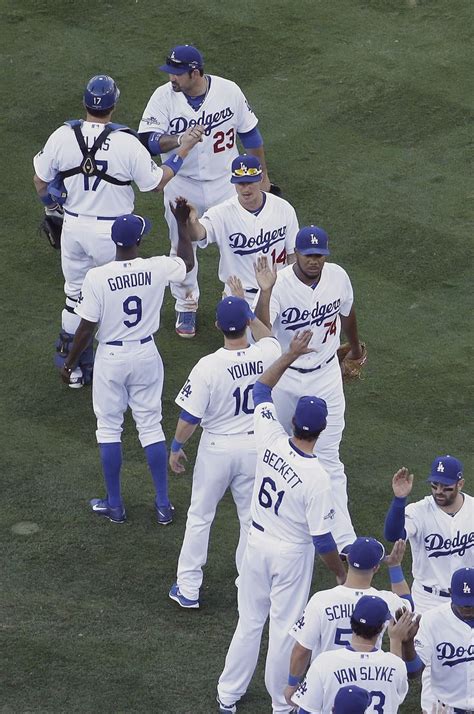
pixel 276 190
pixel 52 226
pixel 351 368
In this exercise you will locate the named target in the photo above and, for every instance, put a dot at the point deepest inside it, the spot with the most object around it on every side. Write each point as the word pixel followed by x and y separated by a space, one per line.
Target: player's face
pixel 183 82
pixel 250 195
pixel 310 266
pixel 445 495
pixel 465 613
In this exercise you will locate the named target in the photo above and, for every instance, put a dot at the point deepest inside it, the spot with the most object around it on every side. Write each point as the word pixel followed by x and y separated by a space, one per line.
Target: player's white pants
pixel 222 462
pixel 85 244
pixel 274 580
pixel 203 195
pixel 325 383
pixel 128 375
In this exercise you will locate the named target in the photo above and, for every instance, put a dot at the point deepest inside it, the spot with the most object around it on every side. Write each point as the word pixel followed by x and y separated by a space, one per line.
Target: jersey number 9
pixel 132 306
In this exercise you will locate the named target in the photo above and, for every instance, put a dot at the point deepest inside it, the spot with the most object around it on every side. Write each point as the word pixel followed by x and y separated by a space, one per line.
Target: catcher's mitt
pixel 52 226
pixel 276 190
pixel 351 368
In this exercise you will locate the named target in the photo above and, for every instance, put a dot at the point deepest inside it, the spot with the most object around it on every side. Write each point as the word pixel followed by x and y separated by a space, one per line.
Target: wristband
pixel 176 446
pixel 414 665
pixel 396 574
pixel 48 201
pixel 174 163
pixel 293 681
pixel 154 144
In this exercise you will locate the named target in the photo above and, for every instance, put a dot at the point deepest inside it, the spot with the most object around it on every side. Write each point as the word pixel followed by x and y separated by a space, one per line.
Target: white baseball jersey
pixel 219 388
pixel 295 306
pixel 447 644
pixel 383 674
pixel 325 623
pixel 224 112
pixel 122 156
pixel 440 543
pixel 243 236
pixel 292 498
pixel 126 296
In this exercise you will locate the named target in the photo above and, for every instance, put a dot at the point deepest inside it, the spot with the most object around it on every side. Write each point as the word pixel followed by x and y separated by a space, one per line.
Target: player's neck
pixel 126 253
pixel 307 447
pixel 358 581
pixel 306 279
pixel 241 344
pixel 454 507
pixel 201 87
pixel 252 204
pixel 361 645
pixel 99 120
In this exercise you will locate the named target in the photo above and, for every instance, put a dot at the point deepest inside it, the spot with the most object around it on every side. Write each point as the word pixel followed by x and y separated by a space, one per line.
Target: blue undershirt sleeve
pixel 395 520
pixel 190 418
pixel 251 139
pixel 324 543
pixel 261 393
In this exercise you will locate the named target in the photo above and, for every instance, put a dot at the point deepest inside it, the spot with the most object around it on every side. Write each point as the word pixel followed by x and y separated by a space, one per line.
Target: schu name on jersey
pixel 281 467
pixel 129 280
pixel 293 318
pixel 453 655
pixel 262 242
pixel 179 124
pixel 339 611
pixel 245 369
pixel 436 546
pixel 365 673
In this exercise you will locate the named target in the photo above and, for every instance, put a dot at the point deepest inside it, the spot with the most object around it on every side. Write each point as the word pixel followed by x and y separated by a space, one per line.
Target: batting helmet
pixel 101 92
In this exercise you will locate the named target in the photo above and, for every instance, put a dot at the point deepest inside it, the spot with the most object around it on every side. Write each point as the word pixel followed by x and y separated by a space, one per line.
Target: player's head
pixel 128 230
pixel 101 95
pixel 232 317
pixel 310 418
pixel 365 555
pixel 369 617
pixel 462 593
pixel 311 249
pixel 185 65
pixel 351 700
pixel 446 479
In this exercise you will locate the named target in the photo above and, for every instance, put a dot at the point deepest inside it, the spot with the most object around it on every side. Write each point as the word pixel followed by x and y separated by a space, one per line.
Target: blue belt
pixel 119 343
pixel 258 527
pixel 435 591
pixel 463 711
pixel 99 218
pixel 305 371
pixel 254 291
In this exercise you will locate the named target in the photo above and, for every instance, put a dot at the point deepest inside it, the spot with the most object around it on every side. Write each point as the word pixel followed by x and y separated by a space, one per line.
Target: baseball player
pixel 325 623
pixel 218 395
pixel 440 529
pixel 246 226
pixel 317 295
pixel 90 165
pixel 361 663
pixel 123 299
pixel 292 508
pixel 192 98
pixel 445 643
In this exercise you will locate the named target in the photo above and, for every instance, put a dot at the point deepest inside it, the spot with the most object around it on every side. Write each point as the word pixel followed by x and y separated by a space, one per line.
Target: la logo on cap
pixel 466 589
pixel 440 467
pixel 314 239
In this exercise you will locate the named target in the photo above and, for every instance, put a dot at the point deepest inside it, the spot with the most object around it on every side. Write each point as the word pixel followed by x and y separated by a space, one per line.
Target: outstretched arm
pixel 402 483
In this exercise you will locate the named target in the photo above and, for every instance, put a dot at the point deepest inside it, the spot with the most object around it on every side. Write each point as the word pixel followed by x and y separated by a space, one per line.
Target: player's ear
pixel 216 326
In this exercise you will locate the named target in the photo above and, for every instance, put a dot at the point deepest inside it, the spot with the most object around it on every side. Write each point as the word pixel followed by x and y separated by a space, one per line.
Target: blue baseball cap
pixel 311 240
pixel 246 169
pixel 462 587
pixel 311 414
pixel 182 59
pixel 232 314
pixel 371 610
pixel 365 553
pixel 129 229
pixel 446 469
pixel 351 700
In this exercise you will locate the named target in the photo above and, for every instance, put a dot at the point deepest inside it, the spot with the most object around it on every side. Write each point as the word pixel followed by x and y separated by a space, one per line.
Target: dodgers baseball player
pixel 445 643
pixel 440 529
pixel 317 295
pixel 192 98
pixel 360 663
pixel 218 395
pixel 246 226
pixel 123 298
pixel 292 508
pixel 325 623
pixel 90 165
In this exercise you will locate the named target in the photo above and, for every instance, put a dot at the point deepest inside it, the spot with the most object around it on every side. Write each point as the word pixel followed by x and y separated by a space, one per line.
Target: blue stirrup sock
pixel 157 458
pixel 111 457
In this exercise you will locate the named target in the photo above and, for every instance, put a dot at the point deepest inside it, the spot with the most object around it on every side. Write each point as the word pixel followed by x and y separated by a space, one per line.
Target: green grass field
pixel 364 106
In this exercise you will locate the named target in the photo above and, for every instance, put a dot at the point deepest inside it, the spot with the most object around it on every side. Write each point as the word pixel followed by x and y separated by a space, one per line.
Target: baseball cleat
pixel 164 514
pixel 226 708
pixel 102 508
pixel 185 602
pixel 186 324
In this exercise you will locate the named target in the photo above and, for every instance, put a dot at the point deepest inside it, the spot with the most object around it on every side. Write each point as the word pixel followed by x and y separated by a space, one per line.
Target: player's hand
pixel 65 374
pixel 54 210
pixel 405 625
pixel 176 457
pixel 265 275
pixel 191 137
pixel 288 693
pixel 396 556
pixel 355 353
pixel 182 210
pixel 299 343
pixel 402 483
pixel 235 287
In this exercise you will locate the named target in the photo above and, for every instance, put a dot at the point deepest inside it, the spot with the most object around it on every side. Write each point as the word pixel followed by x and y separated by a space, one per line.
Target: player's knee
pixel 150 435
pixel 108 434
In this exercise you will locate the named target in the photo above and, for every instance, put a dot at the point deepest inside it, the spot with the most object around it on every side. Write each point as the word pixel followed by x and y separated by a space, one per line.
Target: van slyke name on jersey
pixel 293 318
pixel 120 282
pixel 210 121
pixel 262 242
pixel 436 546
pixel 454 655
pixel 368 673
